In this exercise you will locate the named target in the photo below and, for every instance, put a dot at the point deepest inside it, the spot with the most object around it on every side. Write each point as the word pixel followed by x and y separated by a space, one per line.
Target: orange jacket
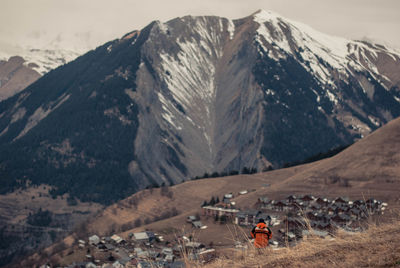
pixel 261 234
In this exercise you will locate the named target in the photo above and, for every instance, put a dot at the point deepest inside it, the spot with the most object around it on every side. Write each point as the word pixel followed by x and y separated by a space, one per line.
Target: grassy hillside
pixel 366 169
pixel 377 247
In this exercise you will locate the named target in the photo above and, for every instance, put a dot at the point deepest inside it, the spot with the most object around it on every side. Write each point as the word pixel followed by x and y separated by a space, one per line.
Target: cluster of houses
pixel 142 250
pixel 298 213
pixel 322 213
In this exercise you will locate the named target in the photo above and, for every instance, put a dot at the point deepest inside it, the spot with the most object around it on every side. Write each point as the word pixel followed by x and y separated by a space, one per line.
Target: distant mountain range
pixel 21 67
pixel 191 96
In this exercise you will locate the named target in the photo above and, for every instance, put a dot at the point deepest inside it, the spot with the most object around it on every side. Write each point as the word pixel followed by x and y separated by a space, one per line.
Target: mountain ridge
pixel 191 96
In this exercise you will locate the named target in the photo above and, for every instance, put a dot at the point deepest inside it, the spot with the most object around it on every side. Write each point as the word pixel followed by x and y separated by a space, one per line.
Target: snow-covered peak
pixel 304 35
pixel 41 60
pixel 46 51
pixel 262 15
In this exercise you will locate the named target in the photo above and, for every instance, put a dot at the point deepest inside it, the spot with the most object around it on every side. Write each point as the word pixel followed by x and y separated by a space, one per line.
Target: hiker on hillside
pixel 261 234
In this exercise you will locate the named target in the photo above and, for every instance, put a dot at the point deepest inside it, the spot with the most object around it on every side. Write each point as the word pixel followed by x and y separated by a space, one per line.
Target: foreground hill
pixel 372 163
pixel 194 95
pixel 377 247
pixel 369 168
pixel 378 165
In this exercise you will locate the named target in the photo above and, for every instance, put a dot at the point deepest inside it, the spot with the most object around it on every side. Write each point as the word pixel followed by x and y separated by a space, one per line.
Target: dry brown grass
pixel 379 246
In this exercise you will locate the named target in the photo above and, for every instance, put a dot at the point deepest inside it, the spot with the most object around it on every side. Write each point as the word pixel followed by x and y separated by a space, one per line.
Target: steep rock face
pixel 256 92
pixel 194 95
pixel 197 101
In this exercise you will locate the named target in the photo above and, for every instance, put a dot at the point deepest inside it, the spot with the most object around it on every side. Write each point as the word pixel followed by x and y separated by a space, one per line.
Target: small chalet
pixel 263 203
pixel 191 219
pixel 331 209
pixel 296 205
pixel 291 198
pixel 341 219
pixel 144 236
pixel 212 211
pixel 108 247
pixel 322 201
pixel 281 205
pixel 341 209
pixel 341 200
pixel 355 213
pixel 228 196
pixel 316 207
pixel 197 224
pixel 94 240
pixel 306 198
pixel 117 239
pixel 358 203
pixel 264 200
pixel 372 204
pixel 247 217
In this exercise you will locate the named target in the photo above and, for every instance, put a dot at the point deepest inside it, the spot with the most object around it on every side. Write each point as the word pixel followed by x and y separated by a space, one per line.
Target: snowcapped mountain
pixel 41 60
pixel 19 67
pixel 195 95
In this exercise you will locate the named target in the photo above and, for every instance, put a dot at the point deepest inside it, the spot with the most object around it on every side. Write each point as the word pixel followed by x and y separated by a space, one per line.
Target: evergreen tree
pixel 245 170
pixel 212 201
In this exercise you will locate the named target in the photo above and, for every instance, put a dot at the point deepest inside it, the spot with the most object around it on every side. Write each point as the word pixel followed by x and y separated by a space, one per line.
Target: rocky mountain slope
pixel 194 95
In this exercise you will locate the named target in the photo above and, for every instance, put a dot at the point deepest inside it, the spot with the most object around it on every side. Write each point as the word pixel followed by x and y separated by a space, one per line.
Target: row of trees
pixel 245 170
pixel 212 202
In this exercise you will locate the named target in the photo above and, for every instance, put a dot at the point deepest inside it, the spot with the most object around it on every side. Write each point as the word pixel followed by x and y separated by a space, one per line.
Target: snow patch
pixel 374 120
pixel 318 97
pixel 167 114
pixel 332 97
pixel 287 36
pixel 189 76
pixel 109 48
pixel 163 27
pixel 270 92
pixel 231 29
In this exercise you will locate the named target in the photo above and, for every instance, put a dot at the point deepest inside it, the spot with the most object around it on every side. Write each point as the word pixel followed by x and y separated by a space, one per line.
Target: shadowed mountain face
pixel 194 95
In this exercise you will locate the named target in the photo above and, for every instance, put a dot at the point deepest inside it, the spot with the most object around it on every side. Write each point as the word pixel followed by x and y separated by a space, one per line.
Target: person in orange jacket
pixel 261 234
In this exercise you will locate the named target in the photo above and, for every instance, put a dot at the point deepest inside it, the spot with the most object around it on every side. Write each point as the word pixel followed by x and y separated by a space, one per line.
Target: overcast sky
pixel 93 22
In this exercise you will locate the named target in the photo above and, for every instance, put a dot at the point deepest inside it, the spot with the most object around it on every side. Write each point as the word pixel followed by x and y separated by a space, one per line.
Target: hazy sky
pixel 93 22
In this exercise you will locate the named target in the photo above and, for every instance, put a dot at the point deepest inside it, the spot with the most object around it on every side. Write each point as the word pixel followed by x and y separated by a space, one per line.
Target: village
pixel 290 219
